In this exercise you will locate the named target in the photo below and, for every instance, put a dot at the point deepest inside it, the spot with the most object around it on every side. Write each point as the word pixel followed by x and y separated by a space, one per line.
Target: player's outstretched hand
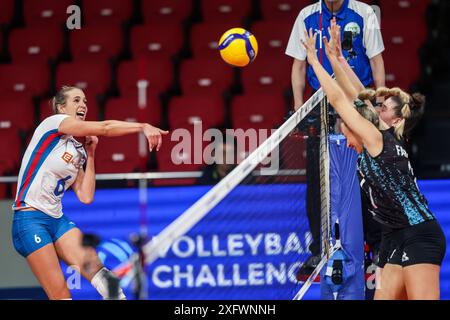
pixel 329 50
pixel 335 38
pixel 154 136
pixel 310 45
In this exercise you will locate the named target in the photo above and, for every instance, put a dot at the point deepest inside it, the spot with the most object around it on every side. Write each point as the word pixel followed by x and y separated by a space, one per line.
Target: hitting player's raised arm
pixel 112 128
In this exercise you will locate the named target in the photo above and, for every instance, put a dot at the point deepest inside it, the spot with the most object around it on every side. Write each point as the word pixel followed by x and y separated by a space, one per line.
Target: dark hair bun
pixel 418 101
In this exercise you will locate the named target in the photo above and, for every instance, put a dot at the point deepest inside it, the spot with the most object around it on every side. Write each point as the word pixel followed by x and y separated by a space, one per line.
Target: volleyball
pixel 238 47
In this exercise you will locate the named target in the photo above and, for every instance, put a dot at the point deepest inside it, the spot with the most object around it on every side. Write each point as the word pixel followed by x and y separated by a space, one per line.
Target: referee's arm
pixel 373 42
pixel 378 72
pixel 298 79
pixel 296 51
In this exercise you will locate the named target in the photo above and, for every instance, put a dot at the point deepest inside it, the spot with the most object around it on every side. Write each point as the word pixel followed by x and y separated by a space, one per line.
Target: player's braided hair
pixel 60 98
pixel 367 94
pixel 366 111
pixel 409 108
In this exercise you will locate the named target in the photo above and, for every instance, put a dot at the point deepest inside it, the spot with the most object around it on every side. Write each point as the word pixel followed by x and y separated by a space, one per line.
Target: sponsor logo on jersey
pixel 354 28
pixel 67 157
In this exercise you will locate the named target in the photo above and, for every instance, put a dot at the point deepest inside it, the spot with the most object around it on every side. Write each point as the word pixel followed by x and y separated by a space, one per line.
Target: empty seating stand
pixel 107 12
pixel 46 12
pixel 35 44
pixel 168 45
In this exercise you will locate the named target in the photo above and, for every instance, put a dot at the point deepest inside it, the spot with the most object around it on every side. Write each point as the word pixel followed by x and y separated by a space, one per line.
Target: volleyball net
pixel 248 236
pixel 251 230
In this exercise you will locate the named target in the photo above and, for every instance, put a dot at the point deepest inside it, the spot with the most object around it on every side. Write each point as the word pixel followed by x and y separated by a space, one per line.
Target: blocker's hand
pixel 335 38
pixel 310 45
pixel 154 136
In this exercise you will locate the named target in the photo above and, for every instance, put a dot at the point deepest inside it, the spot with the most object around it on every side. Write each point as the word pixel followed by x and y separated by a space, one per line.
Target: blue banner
pixel 249 246
pixel 264 235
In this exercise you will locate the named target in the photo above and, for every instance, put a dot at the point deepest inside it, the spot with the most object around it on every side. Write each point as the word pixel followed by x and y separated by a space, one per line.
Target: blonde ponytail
pixel 60 98
pixel 406 111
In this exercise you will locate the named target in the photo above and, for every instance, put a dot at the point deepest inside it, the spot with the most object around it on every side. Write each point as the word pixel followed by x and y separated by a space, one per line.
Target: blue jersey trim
pixel 44 156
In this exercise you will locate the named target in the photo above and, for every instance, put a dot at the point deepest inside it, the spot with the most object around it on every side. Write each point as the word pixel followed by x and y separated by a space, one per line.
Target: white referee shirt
pixel 354 16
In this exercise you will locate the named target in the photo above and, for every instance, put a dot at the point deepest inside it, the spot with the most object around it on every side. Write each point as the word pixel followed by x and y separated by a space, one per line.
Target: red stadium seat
pixel 17 112
pixel 401 72
pixel 402 69
pixel 96 43
pixel 257 111
pixel 118 154
pixel 229 11
pixel 267 74
pixel 11 148
pixel 183 154
pixel 91 77
pixel 404 8
pixel 107 12
pixel 127 109
pixel 35 44
pixel 166 11
pixel 6 11
pixel 45 109
pixel 156 41
pixel 398 34
pixel 272 37
pixel 46 12
pixel 4 187
pixel 282 10
pixel 205 39
pixel 205 76
pixel 158 73
pixel 185 111
pixel 24 79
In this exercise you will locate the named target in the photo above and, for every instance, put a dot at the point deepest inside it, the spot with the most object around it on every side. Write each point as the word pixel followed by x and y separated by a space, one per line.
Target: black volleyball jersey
pixel 389 182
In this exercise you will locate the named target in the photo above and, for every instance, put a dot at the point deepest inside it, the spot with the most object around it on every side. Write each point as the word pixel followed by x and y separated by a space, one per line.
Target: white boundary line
pixel 160 244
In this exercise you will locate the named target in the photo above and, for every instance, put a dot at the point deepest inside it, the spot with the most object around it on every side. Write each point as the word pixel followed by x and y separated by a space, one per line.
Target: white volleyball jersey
pixel 49 167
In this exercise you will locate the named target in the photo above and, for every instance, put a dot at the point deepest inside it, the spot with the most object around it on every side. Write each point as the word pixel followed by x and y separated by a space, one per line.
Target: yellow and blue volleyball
pixel 238 47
